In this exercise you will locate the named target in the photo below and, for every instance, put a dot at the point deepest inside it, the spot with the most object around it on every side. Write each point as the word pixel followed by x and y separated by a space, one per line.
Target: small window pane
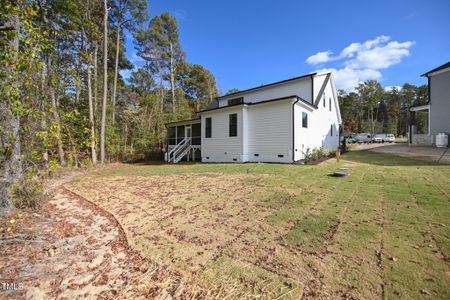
pixel 236 101
pixel 330 103
pixel 208 128
pixel 304 120
pixel 180 134
pixel 196 134
pixel 331 130
pixel 171 132
pixel 233 125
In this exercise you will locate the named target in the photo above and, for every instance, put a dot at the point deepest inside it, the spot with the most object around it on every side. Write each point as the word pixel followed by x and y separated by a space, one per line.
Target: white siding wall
pixel 220 147
pixel 266 129
pixel 300 87
pixel 320 121
pixel 270 131
pixel 318 82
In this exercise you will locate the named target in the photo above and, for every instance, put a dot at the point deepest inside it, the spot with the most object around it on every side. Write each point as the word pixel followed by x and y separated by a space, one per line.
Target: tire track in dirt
pixel 440 254
pixel 313 206
pixel 315 282
pixel 380 253
pixel 437 186
pixel 313 289
pixel 330 240
pixel 343 215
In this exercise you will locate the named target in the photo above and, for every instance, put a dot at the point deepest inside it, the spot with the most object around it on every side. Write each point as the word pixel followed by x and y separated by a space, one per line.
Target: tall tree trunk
pixel 105 83
pixel 91 115
pixel 11 166
pixel 172 79
pixel 62 161
pixel 373 123
pixel 161 93
pixel 44 116
pixel 95 77
pixel 77 89
pixel 116 71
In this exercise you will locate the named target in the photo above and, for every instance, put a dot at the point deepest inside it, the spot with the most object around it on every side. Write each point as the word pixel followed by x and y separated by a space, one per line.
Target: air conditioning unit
pixel 441 140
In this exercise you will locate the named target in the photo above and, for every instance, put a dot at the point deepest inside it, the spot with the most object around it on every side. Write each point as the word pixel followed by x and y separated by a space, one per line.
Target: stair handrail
pixel 175 149
pixel 182 154
pixel 182 147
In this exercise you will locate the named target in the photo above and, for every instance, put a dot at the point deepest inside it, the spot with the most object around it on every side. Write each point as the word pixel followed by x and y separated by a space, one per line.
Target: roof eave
pixel 267 85
pixel 296 97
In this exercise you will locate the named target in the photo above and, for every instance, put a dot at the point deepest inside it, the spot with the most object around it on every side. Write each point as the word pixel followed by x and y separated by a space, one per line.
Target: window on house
pixel 304 120
pixel 329 100
pixel 233 125
pixel 331 130
pixel 236 101
pixel 207 127
pixel 180 134
pixel 324 100
pixel 172 136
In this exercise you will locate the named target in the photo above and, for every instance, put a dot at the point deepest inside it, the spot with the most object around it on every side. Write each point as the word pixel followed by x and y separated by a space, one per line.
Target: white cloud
pixel 136 60
pixel 392 87
pixel 319 57
pixel 348 78
pixel 363 61
pixel 126 74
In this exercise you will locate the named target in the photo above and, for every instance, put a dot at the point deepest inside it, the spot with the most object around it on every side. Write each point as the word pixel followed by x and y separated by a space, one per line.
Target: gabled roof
pixel 212 105
pixel 262 102
pixel 267 85
pixel 444 66
pixel 183 122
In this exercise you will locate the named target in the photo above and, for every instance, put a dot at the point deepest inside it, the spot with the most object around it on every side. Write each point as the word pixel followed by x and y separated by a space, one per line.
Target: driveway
pixel 429 153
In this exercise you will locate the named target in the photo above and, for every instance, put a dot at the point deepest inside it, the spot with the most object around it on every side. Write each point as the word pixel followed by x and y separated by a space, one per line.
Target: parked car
pixel 350 139
pixel 390 138
pixel 363 138
pixel 379 138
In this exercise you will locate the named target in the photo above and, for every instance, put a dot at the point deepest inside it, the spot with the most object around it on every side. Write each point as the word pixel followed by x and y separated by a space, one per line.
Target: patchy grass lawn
pixel 249 230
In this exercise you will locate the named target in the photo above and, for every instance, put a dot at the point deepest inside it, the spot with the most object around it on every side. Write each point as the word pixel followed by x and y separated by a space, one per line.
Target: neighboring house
pixel 426 121
pixel 278 122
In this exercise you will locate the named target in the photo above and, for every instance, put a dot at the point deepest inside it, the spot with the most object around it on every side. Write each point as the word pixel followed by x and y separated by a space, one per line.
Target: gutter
pixel 293 129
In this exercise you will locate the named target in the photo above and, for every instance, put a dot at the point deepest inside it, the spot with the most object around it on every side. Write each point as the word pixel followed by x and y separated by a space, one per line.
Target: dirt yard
pixel 73 249
pixel 248 231
pixel 289 231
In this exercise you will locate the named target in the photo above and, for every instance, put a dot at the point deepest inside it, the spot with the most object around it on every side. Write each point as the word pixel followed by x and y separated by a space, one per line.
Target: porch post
pixel 409 128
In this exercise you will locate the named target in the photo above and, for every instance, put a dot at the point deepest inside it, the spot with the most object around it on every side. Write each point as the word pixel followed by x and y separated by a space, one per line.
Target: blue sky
pixel 249 43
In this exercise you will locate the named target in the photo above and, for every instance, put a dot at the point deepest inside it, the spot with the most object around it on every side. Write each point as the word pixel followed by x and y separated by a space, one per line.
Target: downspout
pixel 429 108
pixel 167 143
pixel 293 130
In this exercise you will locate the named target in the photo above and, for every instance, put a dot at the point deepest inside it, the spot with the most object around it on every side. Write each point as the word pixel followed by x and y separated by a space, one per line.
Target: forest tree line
pixel 372 109
pixel 64 103
pixel 63 100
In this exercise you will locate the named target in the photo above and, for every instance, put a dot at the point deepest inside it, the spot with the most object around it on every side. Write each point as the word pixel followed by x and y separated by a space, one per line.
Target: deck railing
pixel 179 149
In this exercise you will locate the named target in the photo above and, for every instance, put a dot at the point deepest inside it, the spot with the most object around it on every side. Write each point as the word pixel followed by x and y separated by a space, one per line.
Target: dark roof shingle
pixel 444 66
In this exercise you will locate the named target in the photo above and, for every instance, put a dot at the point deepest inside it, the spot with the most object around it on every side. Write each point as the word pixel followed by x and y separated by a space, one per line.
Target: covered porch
pixel 419 125
pixel 183 141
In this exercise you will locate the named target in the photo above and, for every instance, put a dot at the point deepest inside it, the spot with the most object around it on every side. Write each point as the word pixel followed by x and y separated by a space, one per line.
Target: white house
pixel 277 122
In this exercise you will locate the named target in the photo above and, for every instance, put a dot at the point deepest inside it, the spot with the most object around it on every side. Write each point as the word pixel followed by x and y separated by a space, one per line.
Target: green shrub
pixel 317 153
pixel 28 193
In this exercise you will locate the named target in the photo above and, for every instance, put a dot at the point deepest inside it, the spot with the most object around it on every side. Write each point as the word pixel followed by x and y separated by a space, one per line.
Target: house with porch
pixel 426 121
pixel 278 122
